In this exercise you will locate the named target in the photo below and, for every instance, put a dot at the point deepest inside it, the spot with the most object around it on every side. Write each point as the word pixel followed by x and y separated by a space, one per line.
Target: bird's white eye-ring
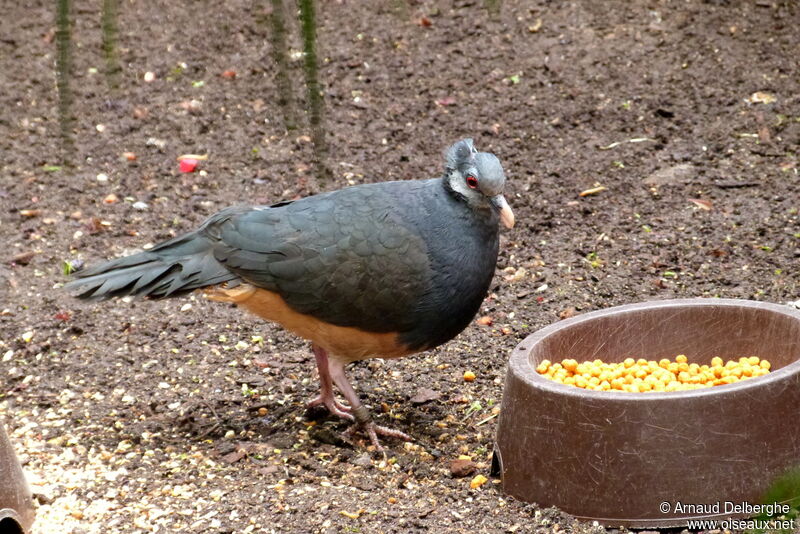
pixel 472 182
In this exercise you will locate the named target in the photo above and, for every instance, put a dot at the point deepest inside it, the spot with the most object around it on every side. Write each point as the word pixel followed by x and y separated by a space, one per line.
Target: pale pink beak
pixel 506 215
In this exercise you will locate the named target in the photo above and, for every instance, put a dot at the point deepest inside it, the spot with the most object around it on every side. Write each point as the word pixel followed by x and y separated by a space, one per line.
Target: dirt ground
pixel 153 416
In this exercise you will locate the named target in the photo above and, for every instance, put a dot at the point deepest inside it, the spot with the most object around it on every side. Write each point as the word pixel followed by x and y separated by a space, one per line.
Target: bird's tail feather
pixel 171 268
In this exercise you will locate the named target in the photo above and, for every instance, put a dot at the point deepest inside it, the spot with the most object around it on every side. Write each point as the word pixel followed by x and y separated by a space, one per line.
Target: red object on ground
pixel 188 165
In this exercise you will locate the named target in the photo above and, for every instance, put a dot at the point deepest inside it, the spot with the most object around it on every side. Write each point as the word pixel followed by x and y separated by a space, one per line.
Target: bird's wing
pixel 347 257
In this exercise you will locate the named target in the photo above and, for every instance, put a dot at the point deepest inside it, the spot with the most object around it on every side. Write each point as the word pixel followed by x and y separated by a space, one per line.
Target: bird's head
pixel 478 178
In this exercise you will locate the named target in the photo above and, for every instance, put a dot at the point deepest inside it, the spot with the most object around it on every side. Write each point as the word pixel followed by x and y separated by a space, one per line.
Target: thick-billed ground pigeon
pixel 377 270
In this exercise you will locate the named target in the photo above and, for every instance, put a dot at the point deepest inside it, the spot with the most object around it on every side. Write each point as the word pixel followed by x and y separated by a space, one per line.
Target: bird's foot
pixel 333 406
pixel 364 421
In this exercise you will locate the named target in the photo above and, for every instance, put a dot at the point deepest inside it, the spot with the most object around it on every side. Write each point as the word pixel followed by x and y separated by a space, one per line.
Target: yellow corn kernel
pixel 570 365
pixel 664 363
pixel 753 360
pixel 543 366
pixel 478 481
pixel 681 358
pixel 628 362
pixel 716 361
pixel 765 365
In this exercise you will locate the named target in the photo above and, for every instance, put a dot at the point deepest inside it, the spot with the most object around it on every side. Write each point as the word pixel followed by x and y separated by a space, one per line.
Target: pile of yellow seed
pixel 642 375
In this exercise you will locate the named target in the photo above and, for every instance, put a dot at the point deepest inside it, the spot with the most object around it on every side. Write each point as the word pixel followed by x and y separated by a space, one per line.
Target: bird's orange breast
pixel 344 342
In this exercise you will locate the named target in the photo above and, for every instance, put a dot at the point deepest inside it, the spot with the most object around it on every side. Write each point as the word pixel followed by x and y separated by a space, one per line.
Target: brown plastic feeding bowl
pixel 16 505
pixel 616 457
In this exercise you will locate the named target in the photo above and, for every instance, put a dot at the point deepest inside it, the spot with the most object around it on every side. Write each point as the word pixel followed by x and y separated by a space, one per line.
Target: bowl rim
pixel 518 363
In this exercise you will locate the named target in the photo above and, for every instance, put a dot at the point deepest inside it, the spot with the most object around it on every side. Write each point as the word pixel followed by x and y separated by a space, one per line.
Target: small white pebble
pixel 141 206
pixel 149 76
pixel 154 141
pixel 102 177
pixel 230 434
pixel 27 336
pixel 100 128
pixel 186 307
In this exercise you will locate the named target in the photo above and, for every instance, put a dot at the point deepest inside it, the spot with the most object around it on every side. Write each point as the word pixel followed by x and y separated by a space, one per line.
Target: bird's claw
pixel 363 421
pixel 333 406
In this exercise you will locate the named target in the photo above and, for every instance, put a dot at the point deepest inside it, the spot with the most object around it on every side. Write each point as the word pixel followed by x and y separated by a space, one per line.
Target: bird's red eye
pixel 472 182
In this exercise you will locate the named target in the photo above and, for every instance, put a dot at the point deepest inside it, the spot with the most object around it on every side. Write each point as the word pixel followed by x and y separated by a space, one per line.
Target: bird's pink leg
pixel 325 396
pixel 362 417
